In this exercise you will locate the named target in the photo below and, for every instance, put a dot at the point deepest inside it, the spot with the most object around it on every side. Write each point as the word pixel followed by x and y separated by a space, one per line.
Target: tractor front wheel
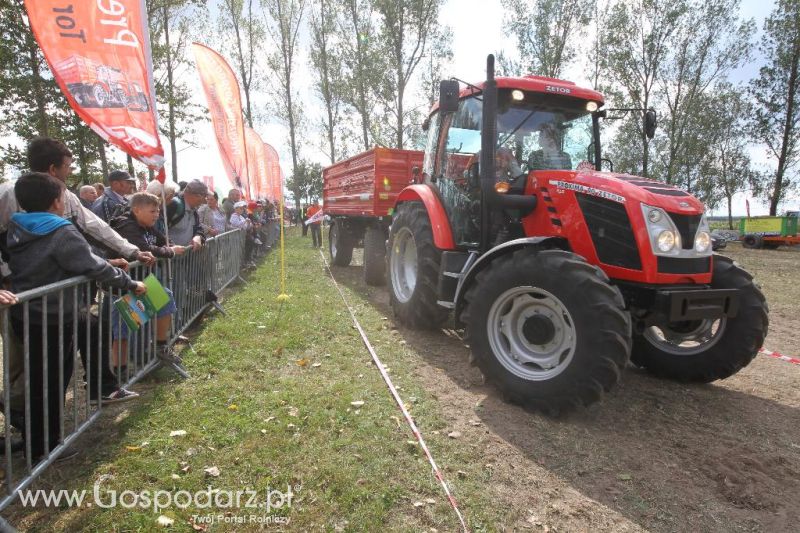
pixel 547 329
pixel 414 269
pixel 707 350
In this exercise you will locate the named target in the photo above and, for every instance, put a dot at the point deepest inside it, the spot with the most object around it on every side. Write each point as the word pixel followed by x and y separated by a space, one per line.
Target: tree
pixel 326 62
pixel 246 30
pixel 708 43
pixel 364 64
pixel 638 43
pixel 306 182
pixel 775 94
pixel 726 167
pixel 546 32
pixel 406 31
pixel 440 55
pixel 283 26
pixel 171 23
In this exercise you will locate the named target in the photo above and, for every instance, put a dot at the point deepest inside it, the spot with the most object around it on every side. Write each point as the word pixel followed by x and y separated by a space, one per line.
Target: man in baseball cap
pixel 120 184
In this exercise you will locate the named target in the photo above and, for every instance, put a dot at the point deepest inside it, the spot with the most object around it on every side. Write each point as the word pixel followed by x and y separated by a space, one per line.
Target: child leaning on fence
pixel 138 226
pixel 45 248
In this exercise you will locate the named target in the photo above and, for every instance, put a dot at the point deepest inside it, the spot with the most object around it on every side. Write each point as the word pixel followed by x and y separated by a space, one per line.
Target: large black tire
pixel 414 303
pixel 374 257
pixel 591 335
pixel 753 241
pixel 340 245
pixel 732 348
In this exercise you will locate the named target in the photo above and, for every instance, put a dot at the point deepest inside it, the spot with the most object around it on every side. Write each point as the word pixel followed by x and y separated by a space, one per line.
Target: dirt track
pixel 653 454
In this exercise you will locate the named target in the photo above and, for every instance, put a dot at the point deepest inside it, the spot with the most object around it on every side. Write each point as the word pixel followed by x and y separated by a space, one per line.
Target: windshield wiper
pixel 517 128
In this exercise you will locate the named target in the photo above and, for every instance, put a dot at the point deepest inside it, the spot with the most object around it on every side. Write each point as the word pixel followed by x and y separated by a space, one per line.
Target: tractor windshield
pixel 545 136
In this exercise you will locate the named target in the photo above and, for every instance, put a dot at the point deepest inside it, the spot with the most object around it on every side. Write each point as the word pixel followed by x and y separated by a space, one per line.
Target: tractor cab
pixel 541 124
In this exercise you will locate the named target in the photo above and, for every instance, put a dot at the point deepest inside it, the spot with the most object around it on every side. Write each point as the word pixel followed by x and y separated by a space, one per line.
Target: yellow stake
pixel 282 297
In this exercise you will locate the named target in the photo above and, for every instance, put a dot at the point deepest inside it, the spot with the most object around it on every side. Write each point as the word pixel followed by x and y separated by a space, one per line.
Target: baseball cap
pixel 240 203
pixel 119 175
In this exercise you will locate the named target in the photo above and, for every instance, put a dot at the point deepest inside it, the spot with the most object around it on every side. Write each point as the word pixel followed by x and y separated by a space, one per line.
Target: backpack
pixel 175 211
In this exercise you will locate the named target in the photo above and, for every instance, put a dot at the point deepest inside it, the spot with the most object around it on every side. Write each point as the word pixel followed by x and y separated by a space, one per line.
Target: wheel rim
pixel 686 338
pixel 404 265
pixel 334 239
pixel 531 333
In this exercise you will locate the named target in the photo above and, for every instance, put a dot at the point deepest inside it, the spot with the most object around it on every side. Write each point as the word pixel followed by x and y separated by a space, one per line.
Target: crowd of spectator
pixel 49 233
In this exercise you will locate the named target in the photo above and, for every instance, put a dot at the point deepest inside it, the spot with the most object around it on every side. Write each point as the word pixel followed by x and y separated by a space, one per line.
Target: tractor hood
pixel 624 188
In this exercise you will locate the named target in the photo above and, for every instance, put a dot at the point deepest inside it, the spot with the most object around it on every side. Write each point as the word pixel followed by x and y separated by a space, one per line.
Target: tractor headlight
pixel 654 215
pixel 702 242
pixel 666 240
pixel 664 236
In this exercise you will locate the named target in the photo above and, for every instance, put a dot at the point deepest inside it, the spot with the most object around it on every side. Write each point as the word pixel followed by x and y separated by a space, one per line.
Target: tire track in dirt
pixel 653 454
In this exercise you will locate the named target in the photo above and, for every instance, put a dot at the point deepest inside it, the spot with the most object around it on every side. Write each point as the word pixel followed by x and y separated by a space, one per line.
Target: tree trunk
pixel 788 127
pixel 730 211
pixel 173 142
pixel 131 170
pixel 101 147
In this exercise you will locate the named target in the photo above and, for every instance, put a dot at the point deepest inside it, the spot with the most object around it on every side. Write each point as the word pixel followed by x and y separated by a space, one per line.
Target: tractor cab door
pixel 454 169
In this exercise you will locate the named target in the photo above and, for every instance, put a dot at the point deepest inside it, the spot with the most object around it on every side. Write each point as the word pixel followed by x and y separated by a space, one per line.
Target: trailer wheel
pixel 707 350
pixel 375 257
pixel 340 245
pixel 753 241
pixel 414 269
pixel 101 95
pixel 547 329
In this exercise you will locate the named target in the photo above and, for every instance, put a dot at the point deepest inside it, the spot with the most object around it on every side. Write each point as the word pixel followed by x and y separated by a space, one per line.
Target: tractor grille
pixel 682 265
pixel 611 231
pixel 687 226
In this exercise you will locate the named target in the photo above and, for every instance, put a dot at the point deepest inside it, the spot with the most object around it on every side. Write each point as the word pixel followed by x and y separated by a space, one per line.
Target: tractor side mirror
pixel 650 123
pixel 448 96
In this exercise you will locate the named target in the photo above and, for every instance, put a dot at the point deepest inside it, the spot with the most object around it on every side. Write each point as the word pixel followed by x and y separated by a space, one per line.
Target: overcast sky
pixel 477 31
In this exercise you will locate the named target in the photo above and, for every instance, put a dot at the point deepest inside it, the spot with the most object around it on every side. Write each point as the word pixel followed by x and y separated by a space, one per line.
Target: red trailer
pixel 359 195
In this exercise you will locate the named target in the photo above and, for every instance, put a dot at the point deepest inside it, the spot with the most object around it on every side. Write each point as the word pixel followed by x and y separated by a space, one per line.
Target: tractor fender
pixel 440 225
pixel 501 249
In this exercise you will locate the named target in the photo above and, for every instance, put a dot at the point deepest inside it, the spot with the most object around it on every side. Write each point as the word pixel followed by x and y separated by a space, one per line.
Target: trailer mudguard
pixel 442 234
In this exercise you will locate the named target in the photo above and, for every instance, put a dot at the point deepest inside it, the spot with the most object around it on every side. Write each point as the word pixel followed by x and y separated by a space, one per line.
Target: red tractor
pixel 560 272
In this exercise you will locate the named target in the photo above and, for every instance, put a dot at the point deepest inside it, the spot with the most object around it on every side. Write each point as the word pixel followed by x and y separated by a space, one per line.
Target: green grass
pixel 267 422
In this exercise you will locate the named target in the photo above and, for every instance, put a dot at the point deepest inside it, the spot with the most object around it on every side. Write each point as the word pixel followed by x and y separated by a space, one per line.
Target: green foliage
pixel 776 118
pixel 546 32
pixel 306 182
pixel 327 64
pixel 243 33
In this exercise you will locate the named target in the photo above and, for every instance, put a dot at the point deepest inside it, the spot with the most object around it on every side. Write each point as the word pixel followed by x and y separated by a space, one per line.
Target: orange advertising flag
pixel 257 165
pixel 225 106
pixel 274 173
pixel 99 53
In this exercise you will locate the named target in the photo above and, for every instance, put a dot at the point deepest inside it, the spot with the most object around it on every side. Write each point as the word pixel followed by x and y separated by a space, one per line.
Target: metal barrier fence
pixel 56 329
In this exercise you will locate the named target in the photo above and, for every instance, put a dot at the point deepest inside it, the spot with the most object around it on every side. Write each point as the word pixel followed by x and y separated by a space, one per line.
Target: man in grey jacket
pixel 52 157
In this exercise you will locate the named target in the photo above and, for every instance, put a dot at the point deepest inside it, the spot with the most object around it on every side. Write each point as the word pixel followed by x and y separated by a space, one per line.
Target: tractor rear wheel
pixel 707 350
pixel 547 329
pixel 340 245
pixel 374 256
pixel 414 269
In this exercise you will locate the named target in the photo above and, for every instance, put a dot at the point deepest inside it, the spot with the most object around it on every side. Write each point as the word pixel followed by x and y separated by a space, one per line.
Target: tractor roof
pixel 538 84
